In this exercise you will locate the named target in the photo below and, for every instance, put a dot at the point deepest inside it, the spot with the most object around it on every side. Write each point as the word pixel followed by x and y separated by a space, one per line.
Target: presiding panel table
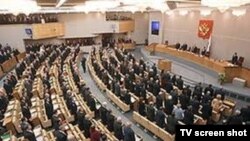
pixel 231 71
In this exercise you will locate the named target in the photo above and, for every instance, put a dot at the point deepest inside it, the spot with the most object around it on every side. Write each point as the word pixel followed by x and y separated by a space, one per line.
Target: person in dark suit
pixel 87 124
pixel 61 135
pixel 169 86
pixel 91 103
pixel 210 89
pixel 83 61
pixel 178 45
pixel 171 123
pixel 159 100
pixel 206 111
pixel 150 111
pixel 235 58
pixel 184 101
pixel 55 120
pixel 49 108
pixel 73 107
pixel 127 97
pixel 235 119
pixel 188 116
pixel 29 134
pixel 118 129
pixel 245 113
pixel 143 92
pixel 141 107
pixel 80 118
pixel 8 89
pixel 160 118
pixel 103 113
pixel 221 92
pixel 179 83
pixel 169 105
pixel 129 134
pixel 174 94
pixel 24 124
pixel 110 121
pixel 26 111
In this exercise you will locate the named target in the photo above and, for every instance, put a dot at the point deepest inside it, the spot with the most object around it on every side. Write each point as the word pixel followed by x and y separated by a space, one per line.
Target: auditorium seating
pixel 162 134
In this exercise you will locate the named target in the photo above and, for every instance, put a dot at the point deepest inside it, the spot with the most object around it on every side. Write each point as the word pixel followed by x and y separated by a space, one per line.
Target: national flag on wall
pixel 205 28
pixel 209 44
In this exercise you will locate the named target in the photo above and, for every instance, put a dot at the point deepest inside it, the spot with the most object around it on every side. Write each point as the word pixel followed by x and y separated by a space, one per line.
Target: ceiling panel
pixel 73 2
pixel 46 2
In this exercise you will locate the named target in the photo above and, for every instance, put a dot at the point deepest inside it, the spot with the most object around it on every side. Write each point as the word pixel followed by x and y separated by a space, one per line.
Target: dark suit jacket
pixel 60 135
pixel 29 135
pixel 129 134
pixel 188 117
pixel 160 118
pixel 118 130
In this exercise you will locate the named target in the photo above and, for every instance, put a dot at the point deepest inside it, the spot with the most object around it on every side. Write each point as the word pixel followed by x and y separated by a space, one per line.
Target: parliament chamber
pixel 121 70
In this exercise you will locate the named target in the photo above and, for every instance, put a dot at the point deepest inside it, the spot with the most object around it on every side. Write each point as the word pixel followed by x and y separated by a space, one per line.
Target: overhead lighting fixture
pixel 183 12
pixel 19 6
pixel 239 12
pixel 205 12
pixel 223 5
pixel 169 13
pixel 97 5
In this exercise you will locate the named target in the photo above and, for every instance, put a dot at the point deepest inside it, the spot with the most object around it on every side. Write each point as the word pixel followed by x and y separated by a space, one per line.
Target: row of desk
pixel 11 63
pixel 220 66
pixel 123 106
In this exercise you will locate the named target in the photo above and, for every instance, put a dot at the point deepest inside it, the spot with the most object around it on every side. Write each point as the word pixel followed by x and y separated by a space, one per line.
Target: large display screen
pixel 155 27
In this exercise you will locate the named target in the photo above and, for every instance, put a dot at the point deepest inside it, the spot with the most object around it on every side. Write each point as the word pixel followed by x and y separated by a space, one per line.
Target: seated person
pixel 235 58
pixel 178 45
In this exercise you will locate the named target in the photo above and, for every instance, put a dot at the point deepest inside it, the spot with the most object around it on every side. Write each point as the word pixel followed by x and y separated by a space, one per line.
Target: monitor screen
pixel 155 26
pixel 28 31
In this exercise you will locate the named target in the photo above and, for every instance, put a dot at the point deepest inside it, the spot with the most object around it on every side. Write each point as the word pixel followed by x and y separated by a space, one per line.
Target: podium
pixel 164 64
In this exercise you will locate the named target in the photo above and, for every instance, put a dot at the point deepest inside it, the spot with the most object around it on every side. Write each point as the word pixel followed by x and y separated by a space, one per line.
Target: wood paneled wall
pixel 48 30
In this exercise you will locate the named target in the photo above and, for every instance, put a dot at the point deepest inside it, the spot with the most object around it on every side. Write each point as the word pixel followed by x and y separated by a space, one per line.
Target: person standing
pixel 83 61
pixel 129 134
pixel 235 58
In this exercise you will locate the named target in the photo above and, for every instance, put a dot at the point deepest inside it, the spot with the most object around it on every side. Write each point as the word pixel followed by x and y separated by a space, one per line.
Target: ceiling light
pixel 205 12
pixel 19 6
pixel 239 12
pixel 169 13
pixel 183 12
pixel 223 5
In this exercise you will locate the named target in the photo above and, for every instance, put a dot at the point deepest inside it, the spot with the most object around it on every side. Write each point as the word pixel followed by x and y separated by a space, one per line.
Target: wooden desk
pixel 1 73
pixel 18 90
pixel 162 134
pixel 227 68
pixel 8 65
pixel 21 56
pixel 12 117
pixel 164 64
pixel 127 46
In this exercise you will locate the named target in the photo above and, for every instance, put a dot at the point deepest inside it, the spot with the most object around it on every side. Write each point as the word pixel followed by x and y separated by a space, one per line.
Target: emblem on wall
pixel 205 28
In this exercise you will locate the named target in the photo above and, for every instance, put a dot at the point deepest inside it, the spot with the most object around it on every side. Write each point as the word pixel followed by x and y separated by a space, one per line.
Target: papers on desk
pixel 98 106
pixel 38 131
pixel 132 99
pixel 11 102
pixel 40 138
pixel 9 108
pixel 138 138
pixel 7 114
pixel 53 96
pixel 33 110
pixel 56 106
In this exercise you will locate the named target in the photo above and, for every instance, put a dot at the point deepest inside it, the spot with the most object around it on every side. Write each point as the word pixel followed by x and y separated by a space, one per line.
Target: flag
pixel 209 44
pixel 205 29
